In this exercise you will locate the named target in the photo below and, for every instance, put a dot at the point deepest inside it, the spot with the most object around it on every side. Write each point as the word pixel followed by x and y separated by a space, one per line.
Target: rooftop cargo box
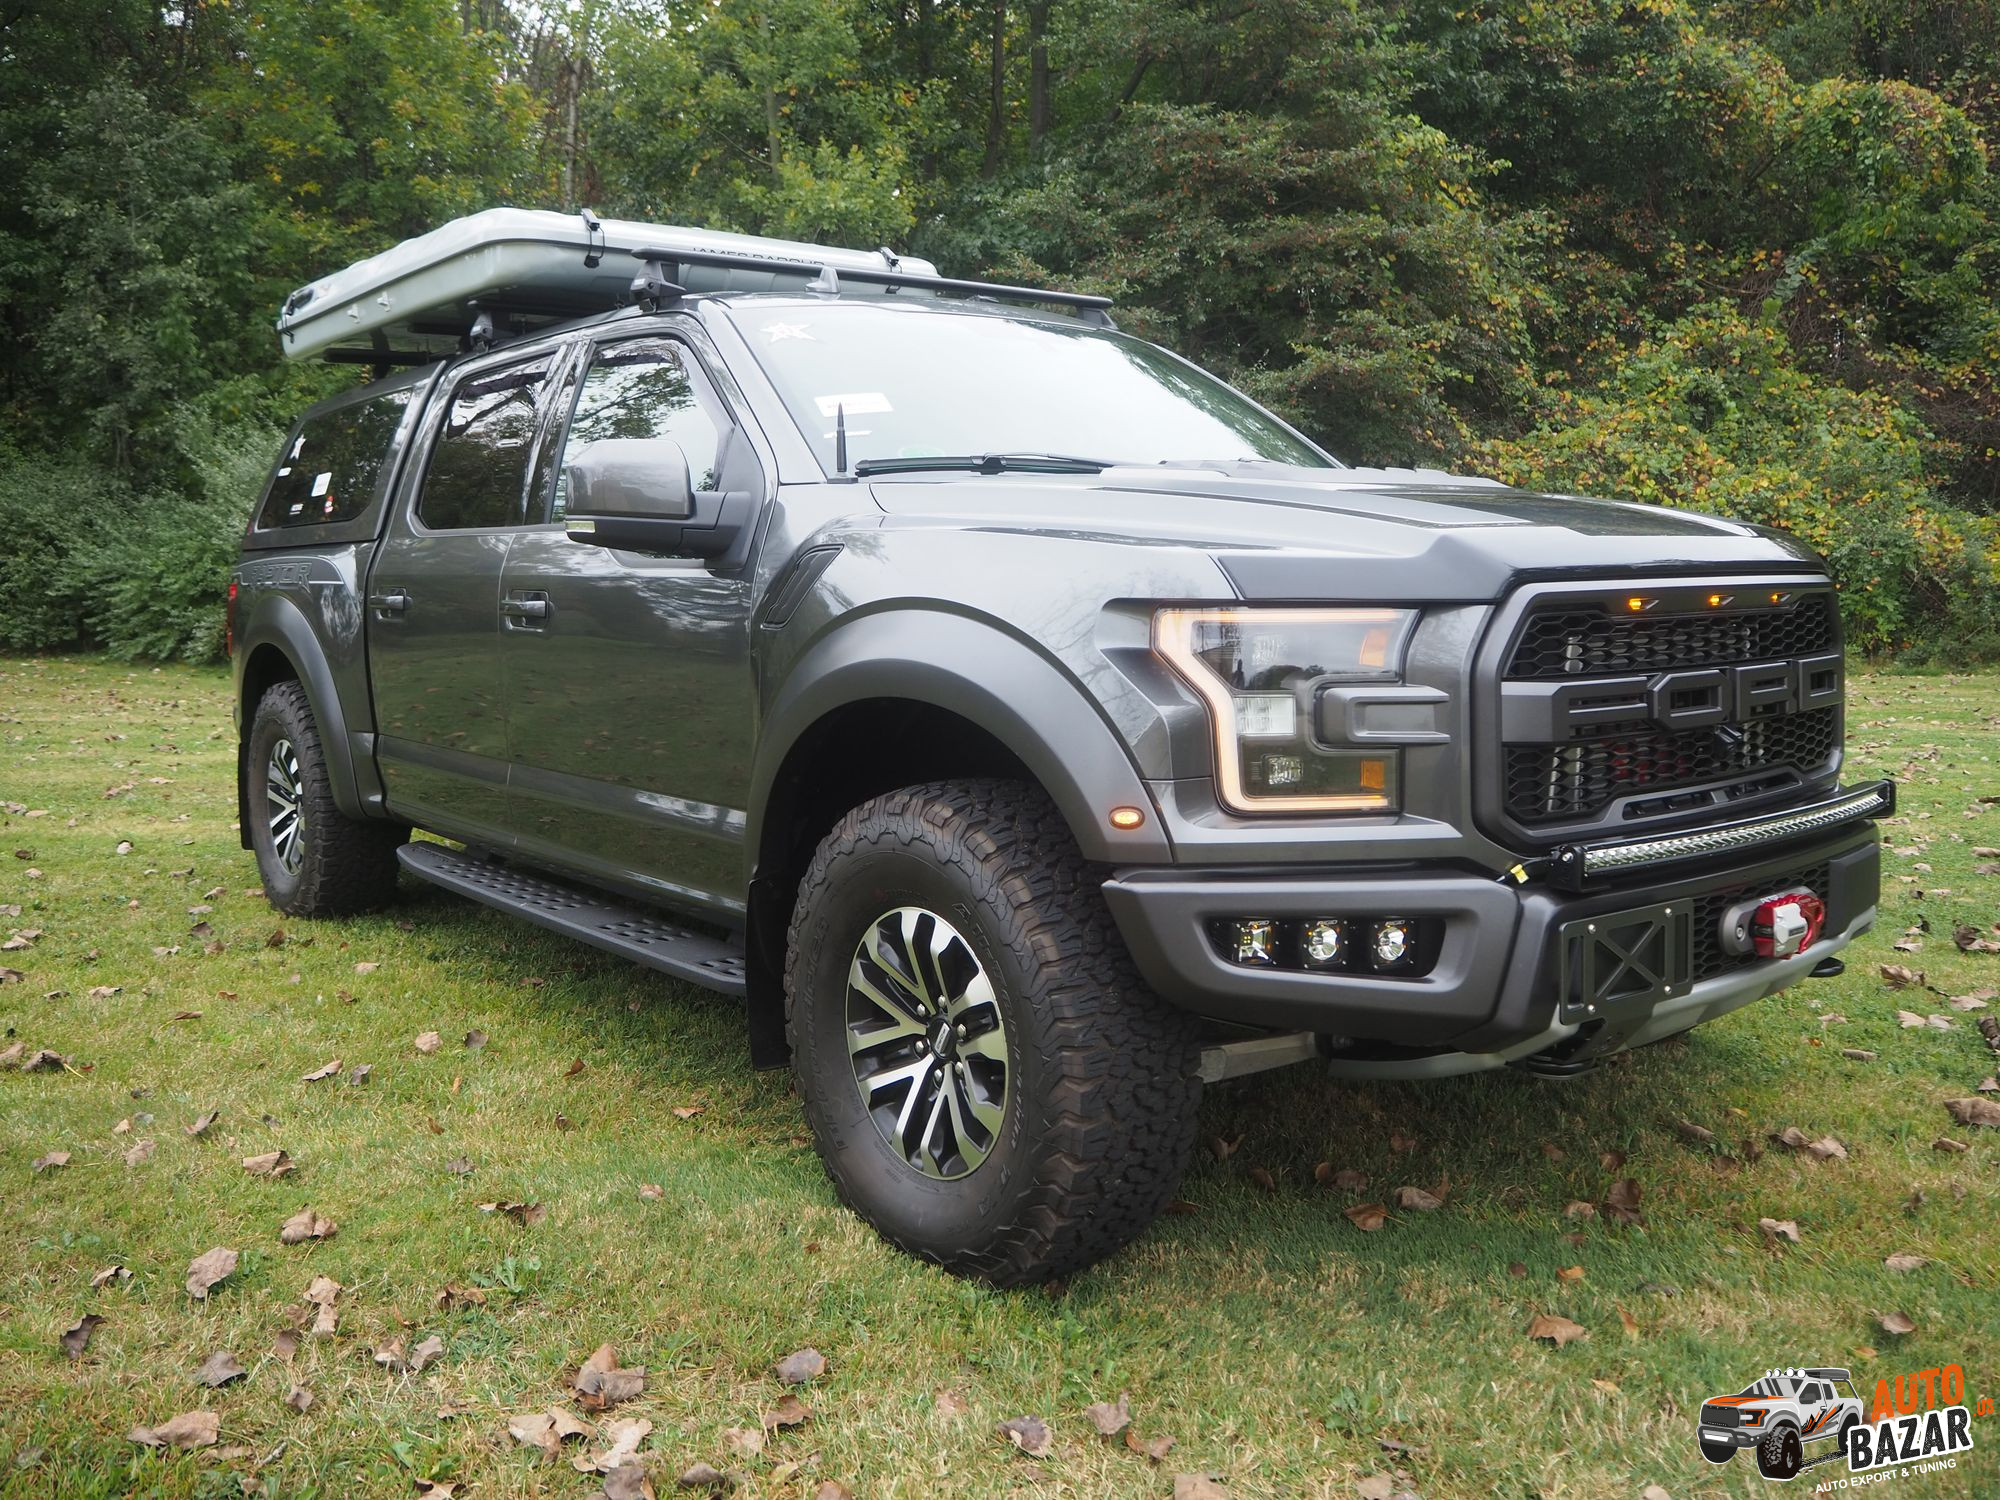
pixel 526 268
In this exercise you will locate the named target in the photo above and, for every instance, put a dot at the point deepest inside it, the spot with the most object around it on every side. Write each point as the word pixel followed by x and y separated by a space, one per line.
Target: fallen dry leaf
pixel 203 1125
pixel 1826 1148
pixel 547 1430
pixel 318 1073
pixel 208 1268
pixel 949 1403
pixel 1417 1199
pixel 701 1476
pixel 527 1215
pixel 1110 1417
pixel 1153 1448
pixel 1580 1210
pixel 1902 976
pixel 1779 1229
pixel 1368 1217
pixel 689 1111
pixel 76 1338
pixel 600 1383
pixel 1897 1323
pixel 1904 1261
pixel 1654 1492
pixel 1569 1273
pixel 1029 1434
pixel 285 1344
pixel 367 968
pixel 299 1399
pixel 454 1295
pixel 324 1293
pixel 1374 1487
pixel 744 1442
pixel 625 1435
pixel 1857 1054
pixel 1975 1111
pixel 219 1369
pixel 652 1191
pixel 1621 1201
pixel 1947 1144
pixel 305 1225
pixel 800 1366
pixel 50 1162
pixel 1629 1323
pixel 1700 1135
pixel 140 1154
pixel 428 1042
pixel 191 1429
pixel 1263 1178
pixel 1557 1330
pixel 789 1412
pixel 110 1274
pixel 1198 1487
pixel 270 1164
pixel 476 1040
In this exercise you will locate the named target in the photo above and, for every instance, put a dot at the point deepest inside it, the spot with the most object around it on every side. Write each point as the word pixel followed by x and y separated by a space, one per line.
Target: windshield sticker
pixel 321 483
pixel 778 332
pixel 854 403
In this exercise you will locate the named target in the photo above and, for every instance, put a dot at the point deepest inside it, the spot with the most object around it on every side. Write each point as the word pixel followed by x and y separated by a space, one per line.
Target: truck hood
pixel 1281 532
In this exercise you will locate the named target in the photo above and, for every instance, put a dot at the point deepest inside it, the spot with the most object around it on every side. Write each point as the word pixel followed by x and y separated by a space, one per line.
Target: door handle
pixel 526 607
pixel 389 602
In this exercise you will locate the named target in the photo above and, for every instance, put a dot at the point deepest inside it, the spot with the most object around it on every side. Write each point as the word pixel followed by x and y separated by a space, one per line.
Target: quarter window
pixel 642 389
pixel 329 471
pixel 478 473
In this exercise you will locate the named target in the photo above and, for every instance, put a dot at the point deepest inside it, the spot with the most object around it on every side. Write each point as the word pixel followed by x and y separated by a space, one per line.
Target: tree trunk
pixel 1039 116
pixel 774 143
pixel 996 119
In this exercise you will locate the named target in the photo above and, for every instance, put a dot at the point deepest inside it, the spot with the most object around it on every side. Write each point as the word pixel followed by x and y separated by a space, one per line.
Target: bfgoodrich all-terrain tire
pixel 315 860
pixel 989 1083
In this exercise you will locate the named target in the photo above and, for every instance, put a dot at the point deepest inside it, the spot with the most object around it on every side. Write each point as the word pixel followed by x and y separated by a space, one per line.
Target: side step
pixel 588 915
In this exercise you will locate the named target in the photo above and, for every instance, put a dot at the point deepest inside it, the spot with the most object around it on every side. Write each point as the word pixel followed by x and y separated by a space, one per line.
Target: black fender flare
pixel 983 673
pixel 277 621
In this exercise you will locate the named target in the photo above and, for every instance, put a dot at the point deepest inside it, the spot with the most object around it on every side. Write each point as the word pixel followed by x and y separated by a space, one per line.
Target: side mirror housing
pixel 636 494
pixel 629 492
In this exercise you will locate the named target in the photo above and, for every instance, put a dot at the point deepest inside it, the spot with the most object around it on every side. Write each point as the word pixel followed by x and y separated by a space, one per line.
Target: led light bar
pixel 1574 866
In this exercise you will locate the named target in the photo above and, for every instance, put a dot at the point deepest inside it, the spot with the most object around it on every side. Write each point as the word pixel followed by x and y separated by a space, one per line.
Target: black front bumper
pixel 1511 981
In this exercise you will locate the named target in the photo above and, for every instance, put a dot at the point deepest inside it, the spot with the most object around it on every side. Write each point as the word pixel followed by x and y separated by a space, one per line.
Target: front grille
pixel 1720 1416
pixel 1710 957
pixel 1549 783
pixel 1587 641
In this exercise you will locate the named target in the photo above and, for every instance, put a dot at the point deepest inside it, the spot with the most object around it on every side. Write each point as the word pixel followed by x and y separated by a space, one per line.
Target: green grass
pixel 1269 1337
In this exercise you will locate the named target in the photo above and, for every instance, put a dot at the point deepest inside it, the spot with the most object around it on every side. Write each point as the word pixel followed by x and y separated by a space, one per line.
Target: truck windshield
pixel 914 381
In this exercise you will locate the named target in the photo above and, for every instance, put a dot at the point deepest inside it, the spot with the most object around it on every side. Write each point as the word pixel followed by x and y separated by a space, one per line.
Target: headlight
pixel 1258 670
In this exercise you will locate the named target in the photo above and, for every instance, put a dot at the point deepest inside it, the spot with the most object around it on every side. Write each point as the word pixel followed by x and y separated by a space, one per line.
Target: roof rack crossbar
pixel 744 261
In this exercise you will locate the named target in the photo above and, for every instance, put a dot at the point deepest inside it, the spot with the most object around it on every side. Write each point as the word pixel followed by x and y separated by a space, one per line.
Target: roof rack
pixel 826 280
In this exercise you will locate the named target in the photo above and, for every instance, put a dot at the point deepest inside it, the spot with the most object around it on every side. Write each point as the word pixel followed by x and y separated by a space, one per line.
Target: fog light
pixel 1392 944
pixel 1324 944
pixel 1256 941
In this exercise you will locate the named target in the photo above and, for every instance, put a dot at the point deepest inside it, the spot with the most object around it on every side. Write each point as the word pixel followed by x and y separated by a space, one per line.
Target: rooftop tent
pixel 525 268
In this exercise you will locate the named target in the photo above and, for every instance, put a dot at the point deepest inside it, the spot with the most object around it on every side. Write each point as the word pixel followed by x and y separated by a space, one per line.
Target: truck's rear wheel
pixel 315 860
pixel 988 1081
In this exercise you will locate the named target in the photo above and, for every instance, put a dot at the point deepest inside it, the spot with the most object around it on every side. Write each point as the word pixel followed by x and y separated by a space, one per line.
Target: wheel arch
pixel 278 645
pixel 903 696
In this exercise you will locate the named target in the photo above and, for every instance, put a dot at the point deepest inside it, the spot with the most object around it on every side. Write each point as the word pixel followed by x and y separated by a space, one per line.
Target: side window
pixel 478 474
pixel 641 389
pixel 330 469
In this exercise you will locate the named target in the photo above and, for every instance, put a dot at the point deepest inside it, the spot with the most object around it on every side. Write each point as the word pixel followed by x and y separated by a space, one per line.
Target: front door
pixel 434 617
pixel 628 675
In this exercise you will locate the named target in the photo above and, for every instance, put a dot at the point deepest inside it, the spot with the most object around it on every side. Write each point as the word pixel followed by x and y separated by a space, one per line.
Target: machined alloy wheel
pixel 285 793
pixel 927 1041
pixel 988 1080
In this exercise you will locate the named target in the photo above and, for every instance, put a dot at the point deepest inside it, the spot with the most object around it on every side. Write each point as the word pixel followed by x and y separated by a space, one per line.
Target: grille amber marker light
pixel 1716 601
pixel 1638 605
pixel 1173 633
pixel 1127 818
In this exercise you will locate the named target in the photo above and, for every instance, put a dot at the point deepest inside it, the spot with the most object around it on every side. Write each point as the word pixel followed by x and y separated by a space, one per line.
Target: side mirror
pixel 629 492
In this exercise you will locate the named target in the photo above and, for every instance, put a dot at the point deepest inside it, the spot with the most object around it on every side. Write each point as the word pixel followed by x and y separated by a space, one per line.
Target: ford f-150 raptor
pixel 1028 727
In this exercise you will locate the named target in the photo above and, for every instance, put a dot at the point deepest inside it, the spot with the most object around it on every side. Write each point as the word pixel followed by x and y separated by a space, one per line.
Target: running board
pixel 590 916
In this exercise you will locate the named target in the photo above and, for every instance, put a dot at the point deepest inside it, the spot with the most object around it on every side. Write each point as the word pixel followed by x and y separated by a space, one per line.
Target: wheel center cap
pixel 941 1038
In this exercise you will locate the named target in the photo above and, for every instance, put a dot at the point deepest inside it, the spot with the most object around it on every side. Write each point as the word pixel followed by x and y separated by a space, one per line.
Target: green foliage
pixel 1740 255
pixel 1716 414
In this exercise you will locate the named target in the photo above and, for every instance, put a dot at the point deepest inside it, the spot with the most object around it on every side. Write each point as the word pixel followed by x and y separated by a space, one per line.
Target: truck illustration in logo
pixel 1778 1414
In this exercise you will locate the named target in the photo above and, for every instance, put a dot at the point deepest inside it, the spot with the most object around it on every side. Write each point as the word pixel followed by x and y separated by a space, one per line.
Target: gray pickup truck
pixel 1028 728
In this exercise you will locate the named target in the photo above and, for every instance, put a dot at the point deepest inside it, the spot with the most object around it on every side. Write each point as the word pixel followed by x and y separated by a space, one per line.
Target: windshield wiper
pixel 987 463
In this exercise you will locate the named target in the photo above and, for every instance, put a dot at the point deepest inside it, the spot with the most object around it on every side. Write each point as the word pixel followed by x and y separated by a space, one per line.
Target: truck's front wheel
pixel 315 860
pixel 988 1081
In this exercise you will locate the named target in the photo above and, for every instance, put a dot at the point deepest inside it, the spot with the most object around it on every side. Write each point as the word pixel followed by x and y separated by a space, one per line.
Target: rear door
pixel 433 601
pixel 628 675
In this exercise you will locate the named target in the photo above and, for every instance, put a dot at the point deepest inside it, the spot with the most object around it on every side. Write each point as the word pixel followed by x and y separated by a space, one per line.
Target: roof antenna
pixel 826 284
pixel 840 437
